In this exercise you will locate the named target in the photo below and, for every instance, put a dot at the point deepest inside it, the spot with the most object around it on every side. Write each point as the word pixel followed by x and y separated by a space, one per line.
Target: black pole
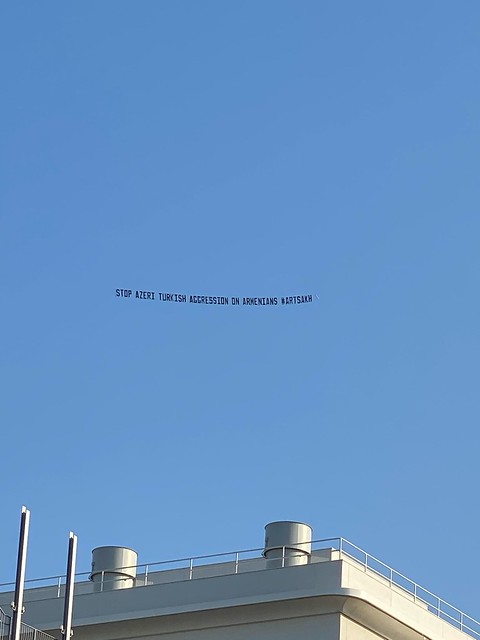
pixel 17 604
pixel 66 628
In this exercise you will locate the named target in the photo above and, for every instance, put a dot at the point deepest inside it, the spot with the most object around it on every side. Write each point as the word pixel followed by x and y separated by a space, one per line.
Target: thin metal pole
pixel 17 604
pixel 66 627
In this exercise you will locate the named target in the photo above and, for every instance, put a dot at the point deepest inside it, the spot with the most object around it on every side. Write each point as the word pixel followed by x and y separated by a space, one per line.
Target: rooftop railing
pixel 26 631
pixel 408 587
pixel 30 633
pixel 235 562
pixel 4 625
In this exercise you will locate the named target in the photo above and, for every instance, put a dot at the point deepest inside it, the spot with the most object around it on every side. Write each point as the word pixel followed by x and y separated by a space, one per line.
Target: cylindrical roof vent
pixel 113 568
pixel 287 544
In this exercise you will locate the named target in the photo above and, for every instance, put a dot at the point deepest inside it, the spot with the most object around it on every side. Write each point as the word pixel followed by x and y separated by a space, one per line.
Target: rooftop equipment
pixel 113 568
pixel 287 544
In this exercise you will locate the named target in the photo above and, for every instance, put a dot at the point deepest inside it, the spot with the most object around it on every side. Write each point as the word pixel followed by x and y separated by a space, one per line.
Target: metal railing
pixel 234 562
pixel 30 633
pixel 428 600
pixel 26 631
pixel 4 625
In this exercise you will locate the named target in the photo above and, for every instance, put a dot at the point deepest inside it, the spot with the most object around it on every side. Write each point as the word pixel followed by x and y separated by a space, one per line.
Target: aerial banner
pixel 222 300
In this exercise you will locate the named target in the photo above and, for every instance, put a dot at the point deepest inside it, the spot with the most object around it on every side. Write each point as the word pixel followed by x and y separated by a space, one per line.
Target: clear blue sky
pixel 242 148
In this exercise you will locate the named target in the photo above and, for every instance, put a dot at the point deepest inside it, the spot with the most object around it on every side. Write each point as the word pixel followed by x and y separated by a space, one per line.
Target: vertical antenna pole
pixel 66 628
pixel 17 604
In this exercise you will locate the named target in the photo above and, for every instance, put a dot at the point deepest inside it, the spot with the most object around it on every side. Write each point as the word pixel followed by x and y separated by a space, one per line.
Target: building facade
pixel 290 589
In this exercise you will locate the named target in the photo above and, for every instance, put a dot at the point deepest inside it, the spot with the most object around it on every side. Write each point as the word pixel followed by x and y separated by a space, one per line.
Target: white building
pixel 295 589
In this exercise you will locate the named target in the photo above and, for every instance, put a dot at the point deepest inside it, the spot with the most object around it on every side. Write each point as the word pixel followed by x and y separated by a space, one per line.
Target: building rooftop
pixel 335 575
